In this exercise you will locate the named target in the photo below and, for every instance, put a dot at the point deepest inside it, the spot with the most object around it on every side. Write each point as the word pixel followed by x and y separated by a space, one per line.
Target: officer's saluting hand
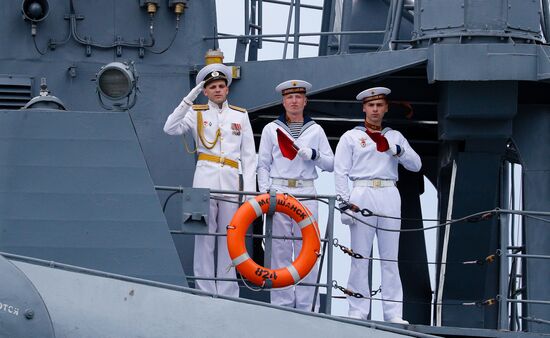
pixel 194 93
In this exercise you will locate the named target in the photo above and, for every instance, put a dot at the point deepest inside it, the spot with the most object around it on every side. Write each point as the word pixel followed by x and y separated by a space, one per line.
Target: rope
pixel 475 217
pixel 472 218
pixel 36 46
pixel 353 254
pixel 207 144
pixel 250 287
pixel 187 147
pixel 168 199
pixel 351 293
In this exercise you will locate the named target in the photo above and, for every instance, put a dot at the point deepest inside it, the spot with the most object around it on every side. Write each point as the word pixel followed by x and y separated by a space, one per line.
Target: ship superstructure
pixel 79 169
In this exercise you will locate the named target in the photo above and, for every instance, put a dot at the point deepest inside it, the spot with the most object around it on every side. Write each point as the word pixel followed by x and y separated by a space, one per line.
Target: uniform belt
pixel 376 183
pixel 291 183
pixel 219 159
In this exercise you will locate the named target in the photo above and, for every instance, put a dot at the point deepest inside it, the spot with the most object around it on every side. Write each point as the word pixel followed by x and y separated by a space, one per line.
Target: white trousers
pixel 285 251
pixel 384 201
pixel 219 216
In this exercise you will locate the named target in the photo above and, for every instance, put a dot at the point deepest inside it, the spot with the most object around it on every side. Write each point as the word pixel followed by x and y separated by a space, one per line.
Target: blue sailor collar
pixel 363 129
pixel 281 121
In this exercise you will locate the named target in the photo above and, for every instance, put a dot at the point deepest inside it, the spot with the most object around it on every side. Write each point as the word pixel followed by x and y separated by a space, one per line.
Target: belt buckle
pixel 376 183
pixel 292 183
pixel 222 160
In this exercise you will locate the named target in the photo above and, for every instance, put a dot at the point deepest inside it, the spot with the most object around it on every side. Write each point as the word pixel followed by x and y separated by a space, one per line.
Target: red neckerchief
pixel 381 141
pixel 372 126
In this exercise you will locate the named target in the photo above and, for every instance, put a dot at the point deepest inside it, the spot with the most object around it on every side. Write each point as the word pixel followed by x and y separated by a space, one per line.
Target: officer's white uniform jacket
pixel 272 163
pixel 357 158
pixel 236 143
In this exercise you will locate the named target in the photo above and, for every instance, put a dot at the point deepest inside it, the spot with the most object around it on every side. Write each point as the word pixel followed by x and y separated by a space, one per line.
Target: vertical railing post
pixel 346 26
pixel 330 237
pixel 296 29
pixel 260 23
pixel 289 21
pixel 240 49
pixel 269 228
pixel 328 8
pixel 253 47
pixel 396 24
pixel 246 16
pixel 546 19
pixel 503 274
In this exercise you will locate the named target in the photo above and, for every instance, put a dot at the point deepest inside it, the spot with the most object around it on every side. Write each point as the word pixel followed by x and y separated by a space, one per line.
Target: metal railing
pixel 512 256
pixel 253 36
pixel 327 240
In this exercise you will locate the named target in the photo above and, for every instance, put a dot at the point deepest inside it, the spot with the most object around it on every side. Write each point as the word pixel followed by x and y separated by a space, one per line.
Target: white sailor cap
pixel 375 93
pixel 215 71
pixel 293 86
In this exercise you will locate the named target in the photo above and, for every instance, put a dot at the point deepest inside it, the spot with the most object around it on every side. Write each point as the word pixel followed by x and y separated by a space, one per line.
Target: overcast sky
pixel 231 20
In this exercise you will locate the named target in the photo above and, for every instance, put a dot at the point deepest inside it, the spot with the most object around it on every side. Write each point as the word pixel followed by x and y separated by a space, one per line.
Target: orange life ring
pixel 258 274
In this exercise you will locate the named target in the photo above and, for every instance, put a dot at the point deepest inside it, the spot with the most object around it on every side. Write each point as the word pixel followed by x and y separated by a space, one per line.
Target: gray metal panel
pixel 103 21
pixel 485 14
pixel 96 306
pixel 23 313
pixel 343 70
pixel 74 188
pixel 482 62
pixel 195 209
pixel 475 129
pixel 476 189
pixel 543 64
pixel 524 15
pixel 466 19
pixel 476 110
pixel 431 17
pixel 452 332
pixel 415 277
pixel 479 100
pixel 531 137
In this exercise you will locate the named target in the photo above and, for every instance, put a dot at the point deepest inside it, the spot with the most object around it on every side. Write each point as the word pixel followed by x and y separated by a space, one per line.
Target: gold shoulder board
pixel 242 110
pixel 200 107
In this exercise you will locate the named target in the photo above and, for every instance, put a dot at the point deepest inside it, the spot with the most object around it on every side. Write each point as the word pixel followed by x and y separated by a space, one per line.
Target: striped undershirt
pixel 295 128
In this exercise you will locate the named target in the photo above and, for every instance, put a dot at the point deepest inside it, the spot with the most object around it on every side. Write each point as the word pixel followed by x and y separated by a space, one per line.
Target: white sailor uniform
pixel 217 168
pixel 373 175
pixel 294 177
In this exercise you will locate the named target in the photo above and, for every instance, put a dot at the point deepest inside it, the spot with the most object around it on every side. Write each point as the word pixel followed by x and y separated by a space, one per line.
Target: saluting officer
pixel 278 171
pixel 368 155
pixel 224 139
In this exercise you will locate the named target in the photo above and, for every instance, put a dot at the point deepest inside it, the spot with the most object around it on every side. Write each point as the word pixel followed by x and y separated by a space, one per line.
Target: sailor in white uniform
pixel 225 144
pixel 294 176
pixel 369 156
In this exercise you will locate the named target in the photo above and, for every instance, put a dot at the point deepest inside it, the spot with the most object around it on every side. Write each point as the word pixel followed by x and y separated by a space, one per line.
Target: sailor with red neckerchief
pixel 368 156
pixel 292 149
